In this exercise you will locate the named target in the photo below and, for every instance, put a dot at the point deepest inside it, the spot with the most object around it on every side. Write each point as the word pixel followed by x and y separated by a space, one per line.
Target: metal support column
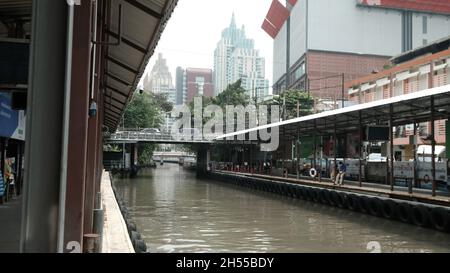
pixel 413 182
pixel 44 128
pixel 361 147
pixel 315 145
pixel 335 142
pixel 251 159
pixel 433 146
pixel 391 145
pixel 343 90
pixel 297 151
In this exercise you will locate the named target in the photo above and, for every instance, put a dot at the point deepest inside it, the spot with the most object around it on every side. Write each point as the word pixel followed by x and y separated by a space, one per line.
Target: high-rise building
pixel 180 86
pixel 193 82
pixel 325 38
pixel 236 58
pixel 159 80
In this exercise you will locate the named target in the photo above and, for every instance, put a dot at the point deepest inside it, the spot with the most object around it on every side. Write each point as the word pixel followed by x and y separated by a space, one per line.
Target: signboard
pixel 406 170
pixel 12 122
pixel 2 185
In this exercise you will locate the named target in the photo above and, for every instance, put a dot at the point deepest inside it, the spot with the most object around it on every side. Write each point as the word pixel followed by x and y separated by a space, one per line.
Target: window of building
pixel 425 24
pixel 424 41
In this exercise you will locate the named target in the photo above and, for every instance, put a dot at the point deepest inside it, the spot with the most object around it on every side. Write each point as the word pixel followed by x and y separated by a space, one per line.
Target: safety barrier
pixel 423 215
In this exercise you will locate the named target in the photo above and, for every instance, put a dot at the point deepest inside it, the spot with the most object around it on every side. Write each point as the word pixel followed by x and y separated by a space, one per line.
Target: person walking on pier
pixel 341 174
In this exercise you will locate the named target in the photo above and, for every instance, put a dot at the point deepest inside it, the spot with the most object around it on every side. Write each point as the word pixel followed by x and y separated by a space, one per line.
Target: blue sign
pixel 12 122
pixel 2 185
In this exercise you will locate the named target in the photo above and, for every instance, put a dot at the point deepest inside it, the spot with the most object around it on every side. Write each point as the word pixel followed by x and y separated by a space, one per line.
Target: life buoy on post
pixel 313 173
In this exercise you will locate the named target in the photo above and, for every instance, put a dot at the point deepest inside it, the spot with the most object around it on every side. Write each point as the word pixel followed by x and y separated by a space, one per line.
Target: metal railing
pixel 136 136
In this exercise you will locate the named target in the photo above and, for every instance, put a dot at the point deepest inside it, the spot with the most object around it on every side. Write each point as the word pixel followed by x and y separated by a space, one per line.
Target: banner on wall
pixel 12 122
pixel 424 170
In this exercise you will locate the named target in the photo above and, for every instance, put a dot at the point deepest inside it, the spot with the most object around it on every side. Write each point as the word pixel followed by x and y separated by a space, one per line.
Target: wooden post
pixel 91 243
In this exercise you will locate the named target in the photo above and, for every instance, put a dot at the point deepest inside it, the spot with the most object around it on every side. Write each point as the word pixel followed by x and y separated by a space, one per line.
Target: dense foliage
pixel 146 111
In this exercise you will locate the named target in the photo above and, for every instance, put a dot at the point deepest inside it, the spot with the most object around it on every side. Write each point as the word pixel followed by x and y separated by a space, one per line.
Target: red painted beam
pixel 78 128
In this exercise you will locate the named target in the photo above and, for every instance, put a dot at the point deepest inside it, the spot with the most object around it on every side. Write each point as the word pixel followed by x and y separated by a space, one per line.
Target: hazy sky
pixel 195 27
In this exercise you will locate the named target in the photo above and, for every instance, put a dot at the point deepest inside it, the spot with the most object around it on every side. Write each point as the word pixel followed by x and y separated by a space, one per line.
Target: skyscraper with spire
pixel 236 58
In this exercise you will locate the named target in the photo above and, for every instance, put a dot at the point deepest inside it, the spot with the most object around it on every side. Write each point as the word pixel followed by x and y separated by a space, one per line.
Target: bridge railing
pixel 157 137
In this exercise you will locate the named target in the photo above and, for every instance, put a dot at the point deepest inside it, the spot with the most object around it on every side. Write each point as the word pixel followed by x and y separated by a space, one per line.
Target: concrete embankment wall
pixel 423 215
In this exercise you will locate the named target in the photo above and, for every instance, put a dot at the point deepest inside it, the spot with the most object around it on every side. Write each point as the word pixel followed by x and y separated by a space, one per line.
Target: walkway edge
pixel 115 232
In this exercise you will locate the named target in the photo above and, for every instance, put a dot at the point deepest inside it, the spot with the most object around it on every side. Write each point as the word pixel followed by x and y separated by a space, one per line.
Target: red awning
pixel 275 18
pixel 277 14
pixel 269 29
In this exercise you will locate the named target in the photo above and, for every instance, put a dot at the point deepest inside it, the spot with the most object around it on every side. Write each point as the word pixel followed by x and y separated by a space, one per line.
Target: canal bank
pixel 115 232
pixel 121 232
pixel 176 212
pixel 417 209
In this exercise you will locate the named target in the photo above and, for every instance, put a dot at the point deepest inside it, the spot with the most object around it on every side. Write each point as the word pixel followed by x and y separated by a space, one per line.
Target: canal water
pixel 175 212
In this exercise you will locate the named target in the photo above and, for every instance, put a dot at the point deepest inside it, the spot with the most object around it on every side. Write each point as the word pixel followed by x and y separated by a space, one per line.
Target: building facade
pixel 423 68
pixel 180 86
pixel 194 82
pixel 159 80
pixel 321 40
pixel 236 58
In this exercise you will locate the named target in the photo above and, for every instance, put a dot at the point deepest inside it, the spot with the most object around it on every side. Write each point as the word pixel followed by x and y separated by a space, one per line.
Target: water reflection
pixel 175 212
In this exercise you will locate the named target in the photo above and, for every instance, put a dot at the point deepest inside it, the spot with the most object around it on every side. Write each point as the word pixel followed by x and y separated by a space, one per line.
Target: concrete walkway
pixel 10 226
pixel 115 232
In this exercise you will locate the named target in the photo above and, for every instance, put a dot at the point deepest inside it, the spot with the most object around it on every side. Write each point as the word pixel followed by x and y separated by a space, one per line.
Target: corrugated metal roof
pixel 14 8
pixel 142 25
pixel 432 6
pixel 407 109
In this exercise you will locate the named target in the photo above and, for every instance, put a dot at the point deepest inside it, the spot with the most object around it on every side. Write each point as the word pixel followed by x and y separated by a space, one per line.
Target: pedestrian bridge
pixel 129 136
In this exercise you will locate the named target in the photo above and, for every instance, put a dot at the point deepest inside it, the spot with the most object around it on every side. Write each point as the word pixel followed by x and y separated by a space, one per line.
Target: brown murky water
pixel 175 212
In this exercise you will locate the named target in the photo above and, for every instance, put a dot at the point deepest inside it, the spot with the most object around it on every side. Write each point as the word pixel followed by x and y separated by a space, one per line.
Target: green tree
pixel 233 95
pixel 142 113
pixel 288 101
pixel 146 111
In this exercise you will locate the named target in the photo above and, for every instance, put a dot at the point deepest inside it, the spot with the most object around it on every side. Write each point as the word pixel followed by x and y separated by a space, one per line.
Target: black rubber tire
pixel 302 193
pixel 353 202
pixel 404 212
pixel 131 226
pixel 308 194
pixel 316 195
pixel 330 199
pixel 323 197
pixel 344 198
pixel 337 200
pixel 363 204
pixel 140 246
pixel 389 209
pixel 135 236
pixel 375 205
pixel 421 216
pixel 440 219
pixel 291 191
